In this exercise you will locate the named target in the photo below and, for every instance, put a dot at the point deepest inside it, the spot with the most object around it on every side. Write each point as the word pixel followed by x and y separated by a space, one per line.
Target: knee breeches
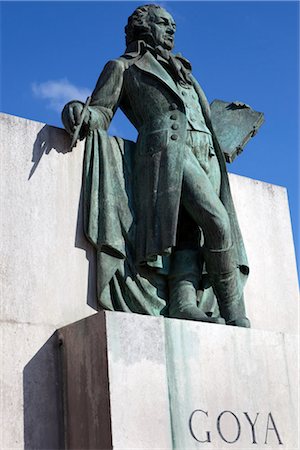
pixel 200 192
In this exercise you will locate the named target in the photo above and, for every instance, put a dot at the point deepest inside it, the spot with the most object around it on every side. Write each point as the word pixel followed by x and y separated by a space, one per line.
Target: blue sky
pixel 53 52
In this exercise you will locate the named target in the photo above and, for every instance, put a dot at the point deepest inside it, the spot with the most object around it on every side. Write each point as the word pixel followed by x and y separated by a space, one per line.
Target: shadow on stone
pixel 49 138
pixel 42 395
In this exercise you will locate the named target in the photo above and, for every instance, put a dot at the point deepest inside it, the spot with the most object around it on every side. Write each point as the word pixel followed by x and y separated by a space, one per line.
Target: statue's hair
pixel 138 22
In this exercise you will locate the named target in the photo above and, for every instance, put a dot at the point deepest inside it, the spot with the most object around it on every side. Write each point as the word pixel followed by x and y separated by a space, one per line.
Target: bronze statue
pixel 159 212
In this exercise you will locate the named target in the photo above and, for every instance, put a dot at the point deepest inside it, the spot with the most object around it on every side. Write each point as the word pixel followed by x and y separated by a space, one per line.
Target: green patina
pixel 159 211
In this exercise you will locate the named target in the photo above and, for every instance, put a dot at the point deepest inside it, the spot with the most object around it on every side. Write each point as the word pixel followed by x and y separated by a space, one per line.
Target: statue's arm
pixel 104 102
pixel 106 95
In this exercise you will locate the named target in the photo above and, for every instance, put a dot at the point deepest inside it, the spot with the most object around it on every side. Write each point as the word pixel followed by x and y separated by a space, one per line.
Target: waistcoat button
pixel 175 126
pixel 174 137
pixel 174 117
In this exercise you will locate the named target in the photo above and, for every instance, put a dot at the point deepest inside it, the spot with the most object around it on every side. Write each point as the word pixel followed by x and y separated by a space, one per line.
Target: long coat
pixel 149 97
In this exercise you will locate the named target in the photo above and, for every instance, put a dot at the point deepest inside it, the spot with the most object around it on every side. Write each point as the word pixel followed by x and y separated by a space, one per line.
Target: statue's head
pixel 153 24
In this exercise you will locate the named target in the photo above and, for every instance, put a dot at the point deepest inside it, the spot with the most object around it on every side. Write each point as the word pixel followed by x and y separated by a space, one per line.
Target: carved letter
pixel 191 426
pixel 252 426
pixel 270 418
pixel 219 427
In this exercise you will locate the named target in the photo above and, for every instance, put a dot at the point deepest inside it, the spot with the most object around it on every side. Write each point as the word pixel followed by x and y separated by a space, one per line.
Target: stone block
pixel 31 402
pixel 47 269
pixel 116 393
pixel 272 292
pixel 139 382
pixel 222 378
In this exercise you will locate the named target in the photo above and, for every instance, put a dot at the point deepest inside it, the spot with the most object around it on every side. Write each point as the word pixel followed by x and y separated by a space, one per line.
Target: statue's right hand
pixel 71 115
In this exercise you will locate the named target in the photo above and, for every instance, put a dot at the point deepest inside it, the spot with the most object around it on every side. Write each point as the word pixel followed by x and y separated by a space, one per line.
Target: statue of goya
pixel 159 211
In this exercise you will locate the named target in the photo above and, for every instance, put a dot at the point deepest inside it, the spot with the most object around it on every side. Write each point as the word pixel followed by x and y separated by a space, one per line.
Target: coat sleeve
pixel 106 95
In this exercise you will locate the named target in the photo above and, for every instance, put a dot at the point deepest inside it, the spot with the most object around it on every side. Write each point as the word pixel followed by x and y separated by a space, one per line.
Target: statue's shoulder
pixel 128 59
pixel 132 54
pixel 116 64
pixel 116 67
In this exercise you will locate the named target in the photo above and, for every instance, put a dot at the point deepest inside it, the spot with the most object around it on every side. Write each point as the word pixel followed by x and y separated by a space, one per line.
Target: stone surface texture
pixel 159 371
pixel 125 353
pixel 251 371
pixel 46 279
pixel 271 293
pixel 48 270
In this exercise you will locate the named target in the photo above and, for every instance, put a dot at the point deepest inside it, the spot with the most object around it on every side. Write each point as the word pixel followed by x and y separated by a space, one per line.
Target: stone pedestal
pixel 116 393
pixel 48 275
pixel 138 382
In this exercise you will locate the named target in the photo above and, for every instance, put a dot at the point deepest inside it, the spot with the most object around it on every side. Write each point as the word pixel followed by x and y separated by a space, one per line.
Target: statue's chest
pixel 144 90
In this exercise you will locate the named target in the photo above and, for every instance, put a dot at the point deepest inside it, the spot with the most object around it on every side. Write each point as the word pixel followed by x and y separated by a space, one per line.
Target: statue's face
pixel 162 28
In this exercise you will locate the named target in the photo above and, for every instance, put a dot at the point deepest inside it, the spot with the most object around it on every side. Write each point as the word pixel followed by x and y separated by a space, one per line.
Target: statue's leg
pixel 203 204
pixel 183 284
pixel 224 276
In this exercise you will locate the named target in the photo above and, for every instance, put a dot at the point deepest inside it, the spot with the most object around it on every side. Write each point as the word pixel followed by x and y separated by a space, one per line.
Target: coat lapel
pixel 147 63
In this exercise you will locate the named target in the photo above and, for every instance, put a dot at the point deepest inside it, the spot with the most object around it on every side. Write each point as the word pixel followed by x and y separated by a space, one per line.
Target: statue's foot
pixel 240 322
pixel 193 313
